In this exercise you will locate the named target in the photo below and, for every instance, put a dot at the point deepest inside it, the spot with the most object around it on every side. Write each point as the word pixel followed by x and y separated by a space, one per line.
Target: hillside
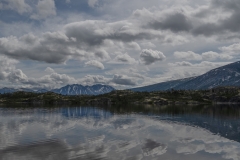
pixel 228 75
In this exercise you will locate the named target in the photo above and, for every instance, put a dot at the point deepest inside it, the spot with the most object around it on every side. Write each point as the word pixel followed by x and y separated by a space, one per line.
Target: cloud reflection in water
pixel 98 134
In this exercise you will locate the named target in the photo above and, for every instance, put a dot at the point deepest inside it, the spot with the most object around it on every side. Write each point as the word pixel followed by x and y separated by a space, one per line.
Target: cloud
pixel 133 45
pixel 184 63
pixel 153 148
pixel 188 56
pixel 93 3
pixel 95 32
pixel 45 9
pixel 49 48
pixel 206 56
pixel 6 66
pixel 187 139
pixel 149 56
pixel 194 21
pixel 233 49
pixel 214 56
pixel 102 54
pixel 16 5
pixel 94 79
pixel 95 63
pixel 222 25
pixel 175 22
pixel 148 45
pixel 17 76
pixel 49 70
pixel 124 80
pixel 84 40
pixel 125 58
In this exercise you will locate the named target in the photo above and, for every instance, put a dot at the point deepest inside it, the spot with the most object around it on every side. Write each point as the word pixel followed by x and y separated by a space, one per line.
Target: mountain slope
pixel 76 89
pixel 228 75
pixel 162 86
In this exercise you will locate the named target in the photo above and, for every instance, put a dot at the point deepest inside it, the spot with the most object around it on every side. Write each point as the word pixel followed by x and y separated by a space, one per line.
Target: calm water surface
pixel 117 132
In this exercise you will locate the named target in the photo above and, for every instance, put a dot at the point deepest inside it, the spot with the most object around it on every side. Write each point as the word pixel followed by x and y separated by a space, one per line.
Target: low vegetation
pixel 175 97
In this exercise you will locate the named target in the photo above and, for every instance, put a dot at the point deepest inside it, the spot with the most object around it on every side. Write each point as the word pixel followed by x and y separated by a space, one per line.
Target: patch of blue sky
pixel 9 16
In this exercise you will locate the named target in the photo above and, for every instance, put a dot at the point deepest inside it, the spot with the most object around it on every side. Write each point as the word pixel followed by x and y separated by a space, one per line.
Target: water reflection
pixel 116 132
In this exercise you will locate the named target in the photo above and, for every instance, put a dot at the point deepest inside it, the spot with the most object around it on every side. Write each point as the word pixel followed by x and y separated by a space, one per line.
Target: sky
pixel 126 44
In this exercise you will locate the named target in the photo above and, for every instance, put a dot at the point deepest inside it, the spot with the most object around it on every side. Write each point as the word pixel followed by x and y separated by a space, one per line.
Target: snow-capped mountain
pixel 74 89
pixel 7 90
pixel 77 89
pixel 228 75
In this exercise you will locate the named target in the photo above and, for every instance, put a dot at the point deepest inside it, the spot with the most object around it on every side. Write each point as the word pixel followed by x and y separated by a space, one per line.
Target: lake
pixel 119 132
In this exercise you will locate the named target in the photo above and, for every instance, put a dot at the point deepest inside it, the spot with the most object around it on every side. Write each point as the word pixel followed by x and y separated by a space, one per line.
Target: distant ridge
pixel 75 89
pixel 162 86
pixel 228 75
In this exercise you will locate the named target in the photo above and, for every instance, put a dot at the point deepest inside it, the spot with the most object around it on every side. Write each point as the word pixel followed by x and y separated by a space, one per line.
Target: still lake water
pixel 120 133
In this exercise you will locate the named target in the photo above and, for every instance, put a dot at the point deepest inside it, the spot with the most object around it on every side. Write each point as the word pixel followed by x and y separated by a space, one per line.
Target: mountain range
pixel 228 75
pixel 74 89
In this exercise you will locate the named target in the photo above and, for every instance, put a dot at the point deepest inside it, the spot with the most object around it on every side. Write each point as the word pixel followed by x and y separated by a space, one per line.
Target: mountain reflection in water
pixel 117 132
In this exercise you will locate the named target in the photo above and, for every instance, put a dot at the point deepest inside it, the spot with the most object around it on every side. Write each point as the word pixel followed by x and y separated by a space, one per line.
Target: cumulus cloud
pixel 55 80
pixel 195 21
pixel 95 63
pixel 6 66
pixel 149 56
pixel 49 48
pixel 93 3
pixel 214 56
pixel 224 25
pixel 176 22
pixel 84 40
pixel 45 8
pixel 124 58
pixel 134 45
pixel 148 45
pixel 49 70
pixel 16 5
pixel 94 79
pixel 203 64
pixel 233 49
pixel 102 54
pixel 188 56
pixel 17 76
pixel 183 63
pixel 206 56
pixel 124 80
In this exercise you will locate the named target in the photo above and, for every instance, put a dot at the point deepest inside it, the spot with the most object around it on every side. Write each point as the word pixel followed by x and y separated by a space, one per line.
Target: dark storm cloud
pixel 207 29
pixel 124 80
pixel 95 32
pixel 176 22
pixel 195 23
pixel 50 48
pixel 228 24
pixel 230 5
pixel 2 76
